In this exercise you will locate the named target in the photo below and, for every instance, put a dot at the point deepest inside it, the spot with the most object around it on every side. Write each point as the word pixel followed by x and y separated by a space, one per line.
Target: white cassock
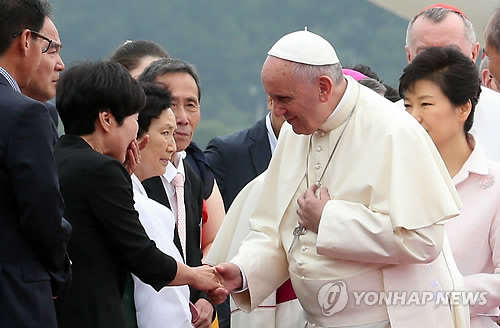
pixel 390 196
pixel 231 234
pixel 486 126
pixel 170 306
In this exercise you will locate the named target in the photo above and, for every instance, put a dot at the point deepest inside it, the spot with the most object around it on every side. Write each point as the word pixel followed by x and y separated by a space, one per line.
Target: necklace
pixel 318 183
pixel 300 230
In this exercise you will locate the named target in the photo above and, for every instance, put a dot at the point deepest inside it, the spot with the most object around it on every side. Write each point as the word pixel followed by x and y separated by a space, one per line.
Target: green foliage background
pixel 227 41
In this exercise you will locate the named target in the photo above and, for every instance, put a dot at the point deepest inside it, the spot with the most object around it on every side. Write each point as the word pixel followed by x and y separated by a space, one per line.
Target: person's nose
pixel 278 110
pixel 180 115
pixel 171 147
pixel 59 64
pixel 416 114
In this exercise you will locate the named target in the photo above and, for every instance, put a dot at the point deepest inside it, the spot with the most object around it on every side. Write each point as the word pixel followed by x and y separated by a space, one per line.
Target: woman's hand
pixel 205 278
pixel 133 157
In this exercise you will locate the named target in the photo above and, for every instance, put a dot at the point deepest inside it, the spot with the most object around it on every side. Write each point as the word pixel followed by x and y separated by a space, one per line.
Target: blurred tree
pixel 228 41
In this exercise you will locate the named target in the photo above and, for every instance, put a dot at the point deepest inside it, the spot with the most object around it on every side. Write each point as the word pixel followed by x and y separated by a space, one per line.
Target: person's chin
pixel 299 129
pixel 161 171
pixel 182 142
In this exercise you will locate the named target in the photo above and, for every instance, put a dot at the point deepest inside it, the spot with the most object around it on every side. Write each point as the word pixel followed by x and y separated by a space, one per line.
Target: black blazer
pixel 196 160
pixel 108 239
pixel 238 158
pixel 55 120
pixel 32 240
pixel 193 201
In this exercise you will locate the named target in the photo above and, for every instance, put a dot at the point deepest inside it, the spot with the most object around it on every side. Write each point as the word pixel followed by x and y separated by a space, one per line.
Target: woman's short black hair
pixel 158 99
pixel 89 88
pixel 131 52
pixel 456 75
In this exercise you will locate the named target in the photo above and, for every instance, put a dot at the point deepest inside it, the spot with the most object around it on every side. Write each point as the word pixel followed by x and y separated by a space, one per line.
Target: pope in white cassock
pixel 356 195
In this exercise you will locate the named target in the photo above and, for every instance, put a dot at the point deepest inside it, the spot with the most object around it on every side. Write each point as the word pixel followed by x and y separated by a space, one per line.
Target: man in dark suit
pixel 183 81
pixel 42 87
pixel 238 158
pixel 32 239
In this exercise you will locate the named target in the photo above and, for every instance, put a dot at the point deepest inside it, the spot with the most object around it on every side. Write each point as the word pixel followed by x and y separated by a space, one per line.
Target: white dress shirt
pixel 273 141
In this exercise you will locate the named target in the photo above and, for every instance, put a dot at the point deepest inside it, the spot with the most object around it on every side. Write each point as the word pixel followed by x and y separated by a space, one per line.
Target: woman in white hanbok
pixel 170 306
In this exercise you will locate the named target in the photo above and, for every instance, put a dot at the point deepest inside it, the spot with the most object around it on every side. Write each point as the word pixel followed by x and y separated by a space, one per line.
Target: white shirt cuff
pixel 244 282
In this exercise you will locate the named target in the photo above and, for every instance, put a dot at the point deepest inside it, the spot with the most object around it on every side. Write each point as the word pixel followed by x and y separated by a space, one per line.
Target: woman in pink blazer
pixel 441 88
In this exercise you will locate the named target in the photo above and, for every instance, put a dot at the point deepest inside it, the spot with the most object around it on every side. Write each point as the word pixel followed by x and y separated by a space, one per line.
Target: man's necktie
pixel 178 183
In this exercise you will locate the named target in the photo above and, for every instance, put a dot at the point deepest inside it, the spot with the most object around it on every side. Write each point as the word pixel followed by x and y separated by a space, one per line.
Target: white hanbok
pixel 170 306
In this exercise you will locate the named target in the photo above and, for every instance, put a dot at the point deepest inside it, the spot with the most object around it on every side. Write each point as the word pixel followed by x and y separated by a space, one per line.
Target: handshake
pixel 218 281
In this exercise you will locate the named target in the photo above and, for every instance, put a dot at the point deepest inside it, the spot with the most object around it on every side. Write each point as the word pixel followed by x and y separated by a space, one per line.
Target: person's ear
pixel 475 51
pixel 325 88
pixel 465 110
pixel 485 74
pixel 22 42
pixel 104 120
pixel 143 141
pixel 408 55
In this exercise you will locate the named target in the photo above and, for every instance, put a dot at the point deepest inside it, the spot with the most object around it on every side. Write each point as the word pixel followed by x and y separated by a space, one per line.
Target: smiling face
pixel 42 86
pixel 161 145
pixel 185 105
pixel 298 101
pixel 426 102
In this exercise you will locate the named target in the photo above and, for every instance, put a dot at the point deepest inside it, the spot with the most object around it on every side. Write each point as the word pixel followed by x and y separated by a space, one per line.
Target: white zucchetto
pixel 306 48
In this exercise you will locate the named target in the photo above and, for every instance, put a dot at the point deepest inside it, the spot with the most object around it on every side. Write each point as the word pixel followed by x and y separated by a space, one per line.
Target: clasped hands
pixel 219 281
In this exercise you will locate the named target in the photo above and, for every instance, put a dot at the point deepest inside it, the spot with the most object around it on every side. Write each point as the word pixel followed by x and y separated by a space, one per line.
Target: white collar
pixel 270 133
pixel 137 185
pixel 476 163
pixel 344 108
pixel 172 171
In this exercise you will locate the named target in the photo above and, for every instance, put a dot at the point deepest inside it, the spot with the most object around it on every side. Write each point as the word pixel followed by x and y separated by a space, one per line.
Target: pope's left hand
pixel 206 311
pixel 311 207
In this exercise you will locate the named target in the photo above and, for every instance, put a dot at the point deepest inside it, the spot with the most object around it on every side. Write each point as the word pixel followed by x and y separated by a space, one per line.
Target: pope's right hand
pixel 231 275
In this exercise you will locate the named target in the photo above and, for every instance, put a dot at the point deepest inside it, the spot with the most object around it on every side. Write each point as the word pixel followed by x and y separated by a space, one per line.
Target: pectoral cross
pixel 300 230
pixel 297 232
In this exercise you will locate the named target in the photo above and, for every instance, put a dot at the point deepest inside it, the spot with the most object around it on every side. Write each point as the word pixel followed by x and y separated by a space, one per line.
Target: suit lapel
pixel 155 190
pixel 260 150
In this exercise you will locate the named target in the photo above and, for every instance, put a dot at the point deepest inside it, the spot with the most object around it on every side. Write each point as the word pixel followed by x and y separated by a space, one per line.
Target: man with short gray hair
pixel 447 26
pixel 183 81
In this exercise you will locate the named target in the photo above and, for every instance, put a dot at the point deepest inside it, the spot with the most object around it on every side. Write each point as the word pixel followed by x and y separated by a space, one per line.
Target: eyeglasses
pixel 41 36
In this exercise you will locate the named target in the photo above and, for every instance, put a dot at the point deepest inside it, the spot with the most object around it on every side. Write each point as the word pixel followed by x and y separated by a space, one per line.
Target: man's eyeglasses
pixel 41 36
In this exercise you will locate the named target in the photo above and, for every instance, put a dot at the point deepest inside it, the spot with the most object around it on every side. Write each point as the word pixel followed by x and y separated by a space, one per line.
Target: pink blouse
pixel 475 234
